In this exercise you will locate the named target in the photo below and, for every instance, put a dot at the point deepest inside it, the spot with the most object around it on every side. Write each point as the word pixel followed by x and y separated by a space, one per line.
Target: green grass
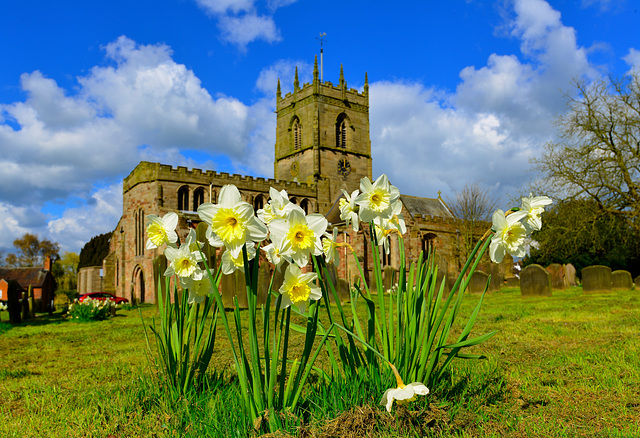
pixel 563 366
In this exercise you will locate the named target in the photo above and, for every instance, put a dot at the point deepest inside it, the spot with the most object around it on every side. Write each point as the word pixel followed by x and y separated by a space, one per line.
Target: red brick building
pixel 40 280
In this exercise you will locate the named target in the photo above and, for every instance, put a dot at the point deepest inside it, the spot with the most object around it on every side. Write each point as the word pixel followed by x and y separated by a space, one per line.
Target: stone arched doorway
pixel 138 283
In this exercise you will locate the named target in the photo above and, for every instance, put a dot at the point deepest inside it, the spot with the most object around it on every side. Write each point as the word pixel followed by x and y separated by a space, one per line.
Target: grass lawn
pixel 563 366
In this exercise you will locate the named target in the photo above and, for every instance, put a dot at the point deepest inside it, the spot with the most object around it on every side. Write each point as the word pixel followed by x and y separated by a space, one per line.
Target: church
pixel 322 146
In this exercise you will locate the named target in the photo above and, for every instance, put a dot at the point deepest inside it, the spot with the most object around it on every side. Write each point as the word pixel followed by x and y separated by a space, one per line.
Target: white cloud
pixel 225 6
pixel 247 28
pixel 499 116
pixel 633 58
pixel 78 225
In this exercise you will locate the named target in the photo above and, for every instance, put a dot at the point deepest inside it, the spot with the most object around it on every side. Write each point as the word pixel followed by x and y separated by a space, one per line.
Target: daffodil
pixel 349 209
pixel 509 235
pixel 199 287
pixel 231 222
pixel 183 262
pixel 161 230
pixel 298 288
pixel 330 247
pixel 273 255
pixel 229 264
pixel 534 207
pixel 377 199
pixel 277 207
pixel 298 236
pixel 403 393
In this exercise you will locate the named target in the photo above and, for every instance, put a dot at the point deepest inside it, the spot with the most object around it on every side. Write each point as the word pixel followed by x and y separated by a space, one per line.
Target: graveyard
pixel 564 365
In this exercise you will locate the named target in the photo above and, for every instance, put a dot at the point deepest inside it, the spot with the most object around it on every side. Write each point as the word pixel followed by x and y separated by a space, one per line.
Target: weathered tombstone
pixel 535 281
pixel 636 281
pixel 343 290
pixel 621 280
pixel 241 289
pixel 32 303
pixel 25 308
pixel 278 276
pixel 558 277
pixel 596 278
pixel 443 273
pixel 512 281
pixel 13 301
pixel 389 278
pixel 497 278
pixel 333 274
pixel 264 278
pixel 228 290
pixel 570 274
pixel 478 282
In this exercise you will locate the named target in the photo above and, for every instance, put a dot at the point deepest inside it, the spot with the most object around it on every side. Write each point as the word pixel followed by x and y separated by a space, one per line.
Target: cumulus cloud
pixel 240 22
pixel 486 131
pixel 633 58
pixel 141 105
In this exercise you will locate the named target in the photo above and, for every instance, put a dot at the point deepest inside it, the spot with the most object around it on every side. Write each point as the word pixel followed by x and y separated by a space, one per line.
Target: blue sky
pixel 461 91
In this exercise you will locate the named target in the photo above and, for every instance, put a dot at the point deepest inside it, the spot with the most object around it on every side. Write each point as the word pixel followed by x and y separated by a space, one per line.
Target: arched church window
pixel 341 131
pixel 428 244
pixel 258 203
pixel 293 200
pixel 297 134
pixel 183 198
pixel 304 204
pixel 198 198
pixel 139 232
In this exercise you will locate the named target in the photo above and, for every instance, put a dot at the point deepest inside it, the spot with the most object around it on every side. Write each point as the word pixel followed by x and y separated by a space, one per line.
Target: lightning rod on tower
pixel 322 40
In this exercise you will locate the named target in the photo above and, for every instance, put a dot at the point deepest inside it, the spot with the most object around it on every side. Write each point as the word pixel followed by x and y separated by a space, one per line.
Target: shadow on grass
pixel 39 320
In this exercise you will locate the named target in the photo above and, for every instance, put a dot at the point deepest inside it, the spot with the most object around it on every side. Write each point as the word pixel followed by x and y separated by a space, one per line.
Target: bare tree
pixel 473 205
pixel 598 155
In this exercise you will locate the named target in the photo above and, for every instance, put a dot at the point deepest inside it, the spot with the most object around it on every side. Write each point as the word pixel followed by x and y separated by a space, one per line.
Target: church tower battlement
pixel 322 136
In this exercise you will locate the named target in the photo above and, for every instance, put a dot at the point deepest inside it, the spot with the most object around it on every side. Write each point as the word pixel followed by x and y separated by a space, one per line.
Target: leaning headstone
pixel 389 278
pixel 570 274
pixel 512 281
pixel 596 278
pixel 343 290
pixel 478 282
pixel 535 281
pixel 558 277
pixel 621 280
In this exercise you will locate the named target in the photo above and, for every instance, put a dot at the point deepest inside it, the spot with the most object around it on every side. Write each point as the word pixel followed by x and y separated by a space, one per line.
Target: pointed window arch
pixel 305 205
pixel 297 133
pixel 183 198
pixel 258 202
pixel 139 232
pixel 342 122
pixel 198 198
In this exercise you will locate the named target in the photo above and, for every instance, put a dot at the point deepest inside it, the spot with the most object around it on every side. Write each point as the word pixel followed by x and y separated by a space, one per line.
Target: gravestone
pixel 264 278
pixel 596 278
pixel 478 282
pixel 535 281
pixel 343 290
pixel 570 274
pixel 13 301
pixel 636 281
pixel 558 277
pixel 512 281
pixel 621 280
pixel 389 278
pixel 233 285
pixel 497 278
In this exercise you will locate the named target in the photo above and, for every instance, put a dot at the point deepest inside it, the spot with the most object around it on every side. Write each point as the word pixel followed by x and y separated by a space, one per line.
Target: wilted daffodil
pixel 229 264
pixel 298 288
pixel 534 207
pixel 298 236
pixel 377 199
pixel 403 393
pixel 161 230
pixel 509 235
pixel 349 209
pixel 231 222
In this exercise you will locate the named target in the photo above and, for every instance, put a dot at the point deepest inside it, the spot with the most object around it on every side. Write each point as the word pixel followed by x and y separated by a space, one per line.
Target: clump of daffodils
pixel 511 229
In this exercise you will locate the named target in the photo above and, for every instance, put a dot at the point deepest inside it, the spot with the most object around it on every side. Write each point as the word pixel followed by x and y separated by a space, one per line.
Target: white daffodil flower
pixel 231 222
pixel 161 230
pixel 534 207
pixel 183 263
pixel 377 199
pixel 273 255
pixel 298 288
pixel 509 235
pixel 277 208
pixel 199 287
pixel 330 247
pixel 230 264
pixel 298 236
pixel 349 209
pixel 194 246
pixel 403 393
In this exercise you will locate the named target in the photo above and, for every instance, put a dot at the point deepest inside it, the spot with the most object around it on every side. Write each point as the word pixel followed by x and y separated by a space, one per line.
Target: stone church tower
pixel 322 136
